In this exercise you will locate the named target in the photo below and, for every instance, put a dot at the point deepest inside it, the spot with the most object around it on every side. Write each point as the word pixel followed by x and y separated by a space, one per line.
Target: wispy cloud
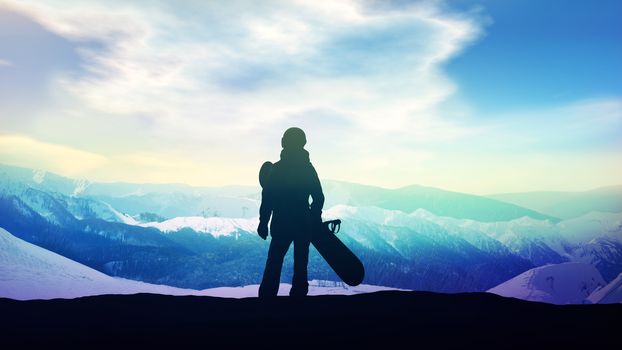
pixel 201 91
pixel 5 63
pixel 203 73
pixel 286 57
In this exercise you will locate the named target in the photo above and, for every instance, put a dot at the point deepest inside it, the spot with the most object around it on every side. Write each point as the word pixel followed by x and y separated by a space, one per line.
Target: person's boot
pixel 299 290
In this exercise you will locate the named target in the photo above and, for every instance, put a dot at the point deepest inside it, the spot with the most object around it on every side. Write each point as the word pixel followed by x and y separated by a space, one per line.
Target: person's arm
pixel 317 195
pixel 265 211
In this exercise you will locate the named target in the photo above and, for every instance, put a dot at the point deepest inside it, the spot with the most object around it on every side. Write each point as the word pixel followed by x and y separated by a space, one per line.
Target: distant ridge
pixel 129 197
pixel 437 201
pixel 567 205
pixel 49 181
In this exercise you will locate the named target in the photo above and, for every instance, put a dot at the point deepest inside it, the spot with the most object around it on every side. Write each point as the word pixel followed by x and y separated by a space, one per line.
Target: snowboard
pixel 323 237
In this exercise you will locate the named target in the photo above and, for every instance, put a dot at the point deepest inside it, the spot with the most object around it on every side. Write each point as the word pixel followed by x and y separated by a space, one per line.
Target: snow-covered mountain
pixel 595 238
pixel 195 237
pixel 540 241
pixel 396 241
pixel 92 199
pixel 609 294
pixel 59 208
pixel 422 221
pixel 31 272
pixel 53 183
pixel 173 200
pixel 536 240
pixel 567 283
pixel 591 226
pixel 216 226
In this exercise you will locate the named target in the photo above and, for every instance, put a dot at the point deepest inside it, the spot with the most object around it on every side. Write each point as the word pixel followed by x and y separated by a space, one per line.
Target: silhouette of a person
pixel 285 196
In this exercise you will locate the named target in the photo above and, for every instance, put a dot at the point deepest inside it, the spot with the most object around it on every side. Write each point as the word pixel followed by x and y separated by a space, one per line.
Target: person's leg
pixel 300 285
pixel 272 273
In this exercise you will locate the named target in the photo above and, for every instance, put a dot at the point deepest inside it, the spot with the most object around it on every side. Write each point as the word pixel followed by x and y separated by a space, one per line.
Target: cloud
pixel 5 63
pixel 279 59
pixel 202 91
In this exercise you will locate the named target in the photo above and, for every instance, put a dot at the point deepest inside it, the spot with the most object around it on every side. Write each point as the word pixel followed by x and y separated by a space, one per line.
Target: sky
pixel 471 96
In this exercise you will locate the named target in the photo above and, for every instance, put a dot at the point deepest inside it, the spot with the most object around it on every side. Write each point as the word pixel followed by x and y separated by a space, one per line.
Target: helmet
pixel 294 138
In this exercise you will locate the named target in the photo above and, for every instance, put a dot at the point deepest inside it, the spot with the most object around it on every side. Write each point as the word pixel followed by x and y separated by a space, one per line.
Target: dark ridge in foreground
pixel 410 319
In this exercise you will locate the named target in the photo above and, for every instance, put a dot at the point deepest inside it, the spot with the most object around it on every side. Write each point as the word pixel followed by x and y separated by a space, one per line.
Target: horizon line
pixel 596 188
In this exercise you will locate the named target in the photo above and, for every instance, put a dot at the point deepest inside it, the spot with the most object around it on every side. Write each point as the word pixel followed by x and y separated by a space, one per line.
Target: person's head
pixel 293 138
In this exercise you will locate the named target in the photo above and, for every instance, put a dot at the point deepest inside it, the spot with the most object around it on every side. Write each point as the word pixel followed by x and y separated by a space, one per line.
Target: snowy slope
pixel 31 272
pixel 592 225
pixel 609 294
pixel 315 288
pixel 215 226
pixel 421 221
pixel 567 283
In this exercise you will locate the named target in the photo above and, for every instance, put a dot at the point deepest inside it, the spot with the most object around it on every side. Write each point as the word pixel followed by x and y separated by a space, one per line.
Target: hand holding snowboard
pixel 262 231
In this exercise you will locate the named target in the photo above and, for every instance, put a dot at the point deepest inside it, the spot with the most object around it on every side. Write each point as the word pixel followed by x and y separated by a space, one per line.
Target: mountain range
pixel 195 237
pixel 173 200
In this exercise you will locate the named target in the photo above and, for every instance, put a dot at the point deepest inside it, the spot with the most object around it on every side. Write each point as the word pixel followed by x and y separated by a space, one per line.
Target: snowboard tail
pixel 338 256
